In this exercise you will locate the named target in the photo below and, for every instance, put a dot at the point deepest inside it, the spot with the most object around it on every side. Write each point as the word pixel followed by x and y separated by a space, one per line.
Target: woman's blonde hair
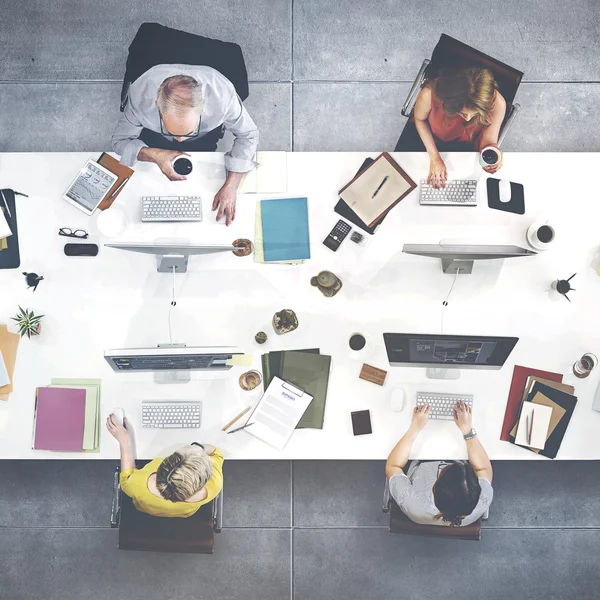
pixel 468 88
pixel 179 94
pixel 183 474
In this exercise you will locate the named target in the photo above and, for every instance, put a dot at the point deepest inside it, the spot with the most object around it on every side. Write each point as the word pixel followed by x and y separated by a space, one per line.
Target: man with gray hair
pixel 175 109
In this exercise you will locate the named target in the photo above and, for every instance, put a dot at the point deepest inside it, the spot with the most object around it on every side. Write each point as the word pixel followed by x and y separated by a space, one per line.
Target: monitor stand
pixel 172 376
pixel 433 373
pixel 451 266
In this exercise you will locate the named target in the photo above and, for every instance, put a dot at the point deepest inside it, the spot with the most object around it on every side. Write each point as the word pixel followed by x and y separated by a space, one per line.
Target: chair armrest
pixel 218 513
pixel 486 515
pixel 409 103
pixel 124 94
pixel 515 108
pixel 115 512
pixel 386 496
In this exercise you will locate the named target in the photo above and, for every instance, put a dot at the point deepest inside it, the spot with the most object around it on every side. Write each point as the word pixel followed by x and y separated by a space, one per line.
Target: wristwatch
pixel 470 435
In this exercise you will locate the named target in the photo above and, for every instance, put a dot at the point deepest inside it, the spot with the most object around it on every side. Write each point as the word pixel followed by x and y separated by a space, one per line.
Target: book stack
pixel 67 416
pixel 539 410
pixel 307 370
pixel 281 233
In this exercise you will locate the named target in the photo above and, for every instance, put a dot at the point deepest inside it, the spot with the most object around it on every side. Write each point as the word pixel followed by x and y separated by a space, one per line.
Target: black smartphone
pixel 361 422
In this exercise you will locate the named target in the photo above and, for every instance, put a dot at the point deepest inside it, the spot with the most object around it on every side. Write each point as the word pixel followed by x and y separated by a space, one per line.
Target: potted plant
pixel 28 322
pixel 285 321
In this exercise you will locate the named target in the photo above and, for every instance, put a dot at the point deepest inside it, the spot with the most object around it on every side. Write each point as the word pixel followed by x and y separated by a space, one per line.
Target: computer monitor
pixel 169 255
pixel 438 353
pixel 171 363
pixel 460 257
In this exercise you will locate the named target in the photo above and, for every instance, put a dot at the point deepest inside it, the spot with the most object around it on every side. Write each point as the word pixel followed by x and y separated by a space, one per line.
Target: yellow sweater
pixel 134 482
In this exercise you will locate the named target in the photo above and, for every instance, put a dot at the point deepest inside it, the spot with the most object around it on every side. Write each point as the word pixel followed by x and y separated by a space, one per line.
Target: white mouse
pixel 397 400
pixel 504 190
pixel 119 414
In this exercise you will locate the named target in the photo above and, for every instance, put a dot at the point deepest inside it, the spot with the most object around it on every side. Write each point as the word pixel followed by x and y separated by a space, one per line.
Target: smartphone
pixel 361 422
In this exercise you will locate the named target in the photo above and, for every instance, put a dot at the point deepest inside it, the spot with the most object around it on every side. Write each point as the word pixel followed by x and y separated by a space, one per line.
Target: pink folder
pixel 60 419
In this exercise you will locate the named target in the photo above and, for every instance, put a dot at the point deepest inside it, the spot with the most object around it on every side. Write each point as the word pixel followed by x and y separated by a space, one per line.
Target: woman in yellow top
pixel 176 486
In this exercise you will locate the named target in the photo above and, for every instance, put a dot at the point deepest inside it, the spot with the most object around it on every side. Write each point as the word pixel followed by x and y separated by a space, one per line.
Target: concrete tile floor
pixel 324 77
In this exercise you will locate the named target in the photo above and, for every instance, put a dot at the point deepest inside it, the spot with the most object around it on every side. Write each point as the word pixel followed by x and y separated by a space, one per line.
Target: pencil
pixel 5 204
pixel 236 418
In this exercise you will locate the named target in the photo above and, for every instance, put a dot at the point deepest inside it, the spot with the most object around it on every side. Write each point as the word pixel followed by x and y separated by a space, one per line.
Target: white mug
pixel 540 235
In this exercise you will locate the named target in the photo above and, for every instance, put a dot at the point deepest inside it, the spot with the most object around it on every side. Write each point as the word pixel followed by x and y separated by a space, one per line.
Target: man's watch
pixel 470 435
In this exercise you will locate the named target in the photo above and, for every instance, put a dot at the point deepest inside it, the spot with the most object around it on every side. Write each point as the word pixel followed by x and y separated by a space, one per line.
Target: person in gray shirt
pixel 172 109
pixel 436 493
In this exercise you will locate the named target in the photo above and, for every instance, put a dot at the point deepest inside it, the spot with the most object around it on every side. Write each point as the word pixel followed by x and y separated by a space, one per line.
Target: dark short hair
pixel 456 492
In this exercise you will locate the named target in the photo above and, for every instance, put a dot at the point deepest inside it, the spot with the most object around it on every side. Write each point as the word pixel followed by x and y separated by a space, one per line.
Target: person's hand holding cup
pixel 490 158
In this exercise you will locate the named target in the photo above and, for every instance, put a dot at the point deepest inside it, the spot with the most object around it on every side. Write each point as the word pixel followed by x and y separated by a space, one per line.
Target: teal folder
pixel 285 229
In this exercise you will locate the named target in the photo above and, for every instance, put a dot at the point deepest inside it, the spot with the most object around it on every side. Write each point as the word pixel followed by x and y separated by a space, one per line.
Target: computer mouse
pixel 119 415
pixel 504 190
pixel 397 400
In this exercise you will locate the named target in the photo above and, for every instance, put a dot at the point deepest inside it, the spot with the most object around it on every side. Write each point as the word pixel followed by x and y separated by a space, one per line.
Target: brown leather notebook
pixel 124 173
pixel 377 189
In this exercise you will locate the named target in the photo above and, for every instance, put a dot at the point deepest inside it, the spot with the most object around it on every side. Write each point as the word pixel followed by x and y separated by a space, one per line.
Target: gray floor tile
pixel 70 40
pixel 257 493
pixel 330 493
pixel 546 494
pixel 556 118
pixel 81 117
pixel 370 40
pixel 84 564
pixel 56 493
pixel 330 117
pixel 375 564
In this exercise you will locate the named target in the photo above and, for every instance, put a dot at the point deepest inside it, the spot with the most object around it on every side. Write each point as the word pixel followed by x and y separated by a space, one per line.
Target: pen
pixel 19 194
pixel 119 188
pixel 380 186
pixel 5 204
pixel 240 428
pixel 531 426
pixel 528 430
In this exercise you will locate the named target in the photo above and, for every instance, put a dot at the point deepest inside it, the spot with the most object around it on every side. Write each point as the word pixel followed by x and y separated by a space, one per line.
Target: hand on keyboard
pixel 438 174
pixel 420 417
pixel 463 417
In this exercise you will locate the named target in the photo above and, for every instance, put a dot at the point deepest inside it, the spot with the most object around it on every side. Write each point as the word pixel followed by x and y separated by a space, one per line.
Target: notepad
pixel 541 423
pixel 4 378
pixel 285 229
pixel 268 177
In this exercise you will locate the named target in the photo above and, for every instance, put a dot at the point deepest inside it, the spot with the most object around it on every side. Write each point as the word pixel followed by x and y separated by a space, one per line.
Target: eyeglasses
pixel 78 233
pixel 165 131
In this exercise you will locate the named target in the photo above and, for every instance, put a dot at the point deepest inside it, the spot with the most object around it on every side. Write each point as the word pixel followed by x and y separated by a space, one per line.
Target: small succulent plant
pixel 28 322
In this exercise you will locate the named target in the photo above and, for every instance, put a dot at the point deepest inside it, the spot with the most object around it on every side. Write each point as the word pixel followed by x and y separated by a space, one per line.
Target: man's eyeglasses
pixel 164 130
pixel 78 233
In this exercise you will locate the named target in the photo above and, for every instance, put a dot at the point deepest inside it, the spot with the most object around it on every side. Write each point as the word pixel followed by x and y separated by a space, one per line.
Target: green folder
pixel 309 372
pixel 91 430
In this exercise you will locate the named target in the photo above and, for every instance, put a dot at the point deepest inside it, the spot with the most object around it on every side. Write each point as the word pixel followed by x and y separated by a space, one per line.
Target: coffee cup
pixel 182 165
pixel 489 156
pixel 540 235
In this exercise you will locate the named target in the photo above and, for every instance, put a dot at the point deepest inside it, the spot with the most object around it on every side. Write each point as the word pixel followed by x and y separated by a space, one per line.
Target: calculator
pixel 337 235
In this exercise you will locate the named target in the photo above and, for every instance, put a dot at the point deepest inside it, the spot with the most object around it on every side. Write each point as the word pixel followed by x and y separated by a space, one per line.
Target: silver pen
pixel 240 428
pixel 5 204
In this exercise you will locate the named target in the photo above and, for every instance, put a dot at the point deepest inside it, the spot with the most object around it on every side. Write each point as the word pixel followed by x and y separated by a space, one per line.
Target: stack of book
pixel 539 410
pixel 67 416
pixel 307 370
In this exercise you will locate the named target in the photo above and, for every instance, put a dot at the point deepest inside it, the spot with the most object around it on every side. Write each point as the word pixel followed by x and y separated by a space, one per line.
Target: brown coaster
pixel 373 374
pixel 244 247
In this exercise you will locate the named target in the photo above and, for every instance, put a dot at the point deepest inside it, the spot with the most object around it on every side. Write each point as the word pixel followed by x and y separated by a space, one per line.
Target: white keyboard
pixel 171 208
pixel 458 192
pixel 173 414
pixel 442 405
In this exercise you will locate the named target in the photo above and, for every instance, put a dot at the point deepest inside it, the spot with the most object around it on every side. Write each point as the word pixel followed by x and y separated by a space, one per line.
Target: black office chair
pixel 450 52
pixel 140 531
pixel 155 44
pixel 400 523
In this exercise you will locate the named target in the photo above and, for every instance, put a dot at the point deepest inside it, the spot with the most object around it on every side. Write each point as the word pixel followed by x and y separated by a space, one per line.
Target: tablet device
pixel 361 422
pixel 91 185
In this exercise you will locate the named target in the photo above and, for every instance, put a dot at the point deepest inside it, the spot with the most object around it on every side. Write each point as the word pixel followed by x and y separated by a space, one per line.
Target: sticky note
pixel 240 360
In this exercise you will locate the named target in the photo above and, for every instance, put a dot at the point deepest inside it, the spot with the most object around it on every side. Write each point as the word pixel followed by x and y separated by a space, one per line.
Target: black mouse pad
pixel 517 197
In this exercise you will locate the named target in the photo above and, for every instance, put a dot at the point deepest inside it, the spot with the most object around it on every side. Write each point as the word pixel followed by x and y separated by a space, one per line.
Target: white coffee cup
pixel 489 156
pixel 540 235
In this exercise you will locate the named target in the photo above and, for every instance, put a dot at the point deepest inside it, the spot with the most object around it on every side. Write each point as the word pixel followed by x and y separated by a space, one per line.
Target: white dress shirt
pixel 222 106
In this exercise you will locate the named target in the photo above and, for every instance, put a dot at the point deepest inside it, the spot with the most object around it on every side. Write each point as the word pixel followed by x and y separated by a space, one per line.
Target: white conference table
pixel 118 300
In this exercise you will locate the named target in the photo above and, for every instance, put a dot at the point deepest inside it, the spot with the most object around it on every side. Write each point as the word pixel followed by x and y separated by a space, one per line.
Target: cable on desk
pixel 445 302
pixel 173 303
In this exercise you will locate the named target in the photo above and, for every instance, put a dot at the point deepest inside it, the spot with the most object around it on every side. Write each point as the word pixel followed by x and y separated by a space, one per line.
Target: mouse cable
pixel 445 302
pixel 173 303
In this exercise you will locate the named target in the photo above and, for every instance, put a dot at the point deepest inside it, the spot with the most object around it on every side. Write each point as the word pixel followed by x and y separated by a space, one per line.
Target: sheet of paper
pixel 4 378
pixel 5 230
pixel 268 177
pixel 9 343
pixel 541 422
pixel 277 413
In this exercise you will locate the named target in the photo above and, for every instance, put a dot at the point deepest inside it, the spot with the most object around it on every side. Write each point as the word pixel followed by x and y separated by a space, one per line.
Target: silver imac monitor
pixel 169 255
pixel 171 363
pixel 460 257
pixel 438 353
